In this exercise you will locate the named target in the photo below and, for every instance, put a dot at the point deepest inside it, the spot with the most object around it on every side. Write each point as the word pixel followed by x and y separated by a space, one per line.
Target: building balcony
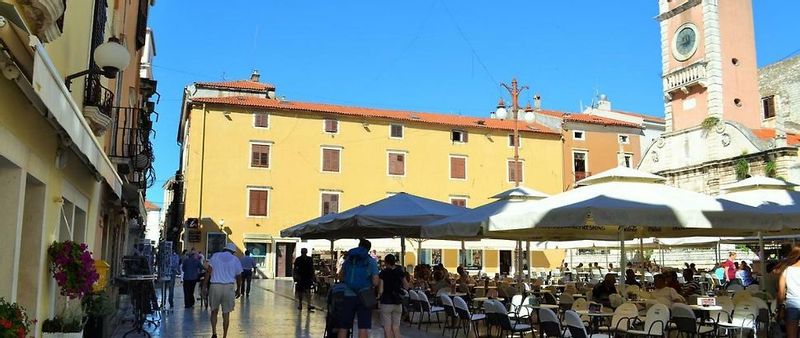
pixel 579 175
pixel 684 78
pixel 130 146
pixel 98 102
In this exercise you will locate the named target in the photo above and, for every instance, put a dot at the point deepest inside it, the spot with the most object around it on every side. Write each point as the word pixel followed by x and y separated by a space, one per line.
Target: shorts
pixel 792 310
pixel 390 314
pixel 352 307
pixel 222 295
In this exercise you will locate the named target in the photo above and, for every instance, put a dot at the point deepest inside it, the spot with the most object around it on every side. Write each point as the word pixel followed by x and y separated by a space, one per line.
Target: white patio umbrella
pixel 771 196
pixel 470 225
pixel 624 203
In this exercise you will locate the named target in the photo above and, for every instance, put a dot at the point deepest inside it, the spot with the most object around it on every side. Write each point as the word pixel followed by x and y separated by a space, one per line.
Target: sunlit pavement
pixel 270 311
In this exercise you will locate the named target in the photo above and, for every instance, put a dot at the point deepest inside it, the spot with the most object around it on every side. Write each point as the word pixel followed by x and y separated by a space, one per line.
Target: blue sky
pixel 440 56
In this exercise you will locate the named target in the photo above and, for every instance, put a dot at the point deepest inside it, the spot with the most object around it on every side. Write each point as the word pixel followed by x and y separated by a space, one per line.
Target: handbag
pixel 367 297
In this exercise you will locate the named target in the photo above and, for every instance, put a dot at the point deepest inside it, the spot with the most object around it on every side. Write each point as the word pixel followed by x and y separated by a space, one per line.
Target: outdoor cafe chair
pixel 512 327
pixel 622 320
pixel 655 322
pixel 449 310
pixel 686 322
pixel 742 296
pixel 515 305
pixel 615 300
pixel 744 318
pixel 413 304
pixel 577 328
pixel 549 325
pixel 490 309
pixel 549 298
pixel 427 308
pixel 467 320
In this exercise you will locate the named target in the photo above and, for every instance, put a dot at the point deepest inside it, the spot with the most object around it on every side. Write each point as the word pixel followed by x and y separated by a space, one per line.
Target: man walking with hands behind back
pixel 304 277
pixel 360 274
pixel 225 271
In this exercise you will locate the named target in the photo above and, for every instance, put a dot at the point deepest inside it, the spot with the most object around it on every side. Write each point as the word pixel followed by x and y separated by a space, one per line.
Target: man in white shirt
pixel 224 271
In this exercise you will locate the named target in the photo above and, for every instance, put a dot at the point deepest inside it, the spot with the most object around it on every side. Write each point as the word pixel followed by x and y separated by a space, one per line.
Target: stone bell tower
pixel 708 62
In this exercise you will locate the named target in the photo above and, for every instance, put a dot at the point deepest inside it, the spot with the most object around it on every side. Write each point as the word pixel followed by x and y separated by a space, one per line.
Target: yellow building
pixel 60 168
pixel 253 164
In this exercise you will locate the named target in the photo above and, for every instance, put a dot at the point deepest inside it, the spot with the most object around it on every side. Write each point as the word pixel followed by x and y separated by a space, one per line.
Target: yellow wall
pixel 296 179
pixel 450 258
pixel 549 259
pixel 491 259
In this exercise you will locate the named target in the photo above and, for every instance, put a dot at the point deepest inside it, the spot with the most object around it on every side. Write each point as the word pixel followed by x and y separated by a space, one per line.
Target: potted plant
pixel 14 320
pixel 69 324
pixel 73 268
pixel 96 306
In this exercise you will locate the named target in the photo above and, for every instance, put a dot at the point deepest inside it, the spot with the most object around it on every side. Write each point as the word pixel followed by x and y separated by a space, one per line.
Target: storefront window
pixel 474 259
pixel 259 253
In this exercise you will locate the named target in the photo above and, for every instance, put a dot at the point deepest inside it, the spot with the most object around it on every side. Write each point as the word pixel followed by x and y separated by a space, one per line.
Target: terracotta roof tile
pixel 245 85
pixel 766 134
pixel 647 118
pixel 433 118
pixel 151 206
pixel 594 119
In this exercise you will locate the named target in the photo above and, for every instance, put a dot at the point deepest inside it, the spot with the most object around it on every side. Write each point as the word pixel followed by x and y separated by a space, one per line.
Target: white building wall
pixel 153 229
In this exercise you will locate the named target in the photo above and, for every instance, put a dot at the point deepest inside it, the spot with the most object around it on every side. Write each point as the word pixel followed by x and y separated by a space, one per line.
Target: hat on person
pixel 230 247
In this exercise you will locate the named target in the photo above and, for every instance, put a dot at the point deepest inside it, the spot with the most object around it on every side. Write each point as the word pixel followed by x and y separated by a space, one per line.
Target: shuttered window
pixel 512 174
pixel 258 202
pixel 259 155
pixel 458 167
pixel 461 202
pixel 330 203
pixel 397 164
pixel 331 126
pixel 459 136
pixel 396 131
pixel 511 140
pixel 261 120
pixel 330 160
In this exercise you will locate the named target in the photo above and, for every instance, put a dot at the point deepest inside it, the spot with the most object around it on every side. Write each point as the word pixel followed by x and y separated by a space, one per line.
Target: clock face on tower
pixel 684 42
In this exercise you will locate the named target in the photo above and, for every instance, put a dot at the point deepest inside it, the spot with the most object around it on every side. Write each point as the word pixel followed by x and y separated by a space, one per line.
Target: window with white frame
pixel 624 139
pixel 260 154
pixel 458 167
pixel 329 202
pixel 511 140
pixel 579 135
pixel 627 160
pixel 460 201
pixel 515 168
pixel 331 125
pixel 258 201
pixel 260 120
pixel 396 131
pixel 396 163
pixel 331 159
pixel 458 136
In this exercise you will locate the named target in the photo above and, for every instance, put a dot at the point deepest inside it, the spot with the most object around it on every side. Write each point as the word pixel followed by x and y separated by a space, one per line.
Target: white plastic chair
pixel 427 308
pixel 449 309
pixel 686 321
pixel 655 323
pixel 743 319
pixel 623 318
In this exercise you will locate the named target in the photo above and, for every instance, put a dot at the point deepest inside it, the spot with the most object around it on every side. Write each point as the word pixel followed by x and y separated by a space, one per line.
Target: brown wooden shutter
pixel 459 202
pixel 260 156
pixel 464 136
pixel 330 160
pixel 330 203
pixel 258 202
pixel 331 126
pixel 458 168
pixel 262 120
pixel 397 164
pixel 512 171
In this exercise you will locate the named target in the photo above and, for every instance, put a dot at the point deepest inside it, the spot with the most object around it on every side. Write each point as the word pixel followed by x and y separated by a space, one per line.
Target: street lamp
pixel 502 113
pixel 110 58
pixel 530 116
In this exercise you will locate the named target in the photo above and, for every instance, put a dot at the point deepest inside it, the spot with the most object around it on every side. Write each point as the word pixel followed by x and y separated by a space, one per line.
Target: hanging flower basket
pixel 72 267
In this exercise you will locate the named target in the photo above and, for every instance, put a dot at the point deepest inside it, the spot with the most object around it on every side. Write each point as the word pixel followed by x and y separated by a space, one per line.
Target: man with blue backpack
pixel 359 274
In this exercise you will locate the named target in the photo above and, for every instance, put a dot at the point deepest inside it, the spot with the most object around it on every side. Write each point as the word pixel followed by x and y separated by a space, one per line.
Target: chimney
pixel 255 76
pixel 603 103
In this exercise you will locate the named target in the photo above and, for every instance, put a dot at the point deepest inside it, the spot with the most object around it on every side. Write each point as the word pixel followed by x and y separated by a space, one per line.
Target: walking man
pixel 191 275
pixel 304 277
pixel 248 268
pixel 360 274
pixel 173 269
pixel 225 272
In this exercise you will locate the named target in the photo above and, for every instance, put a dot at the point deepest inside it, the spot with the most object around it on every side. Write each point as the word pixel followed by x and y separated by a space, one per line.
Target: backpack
pixel 356 273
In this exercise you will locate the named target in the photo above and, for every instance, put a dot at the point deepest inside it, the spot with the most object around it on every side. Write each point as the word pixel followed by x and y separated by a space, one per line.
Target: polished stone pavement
pixel 270 311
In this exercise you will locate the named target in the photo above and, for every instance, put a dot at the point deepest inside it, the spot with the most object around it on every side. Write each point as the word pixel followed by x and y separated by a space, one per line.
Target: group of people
pixel 223 278
pixel 732 271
